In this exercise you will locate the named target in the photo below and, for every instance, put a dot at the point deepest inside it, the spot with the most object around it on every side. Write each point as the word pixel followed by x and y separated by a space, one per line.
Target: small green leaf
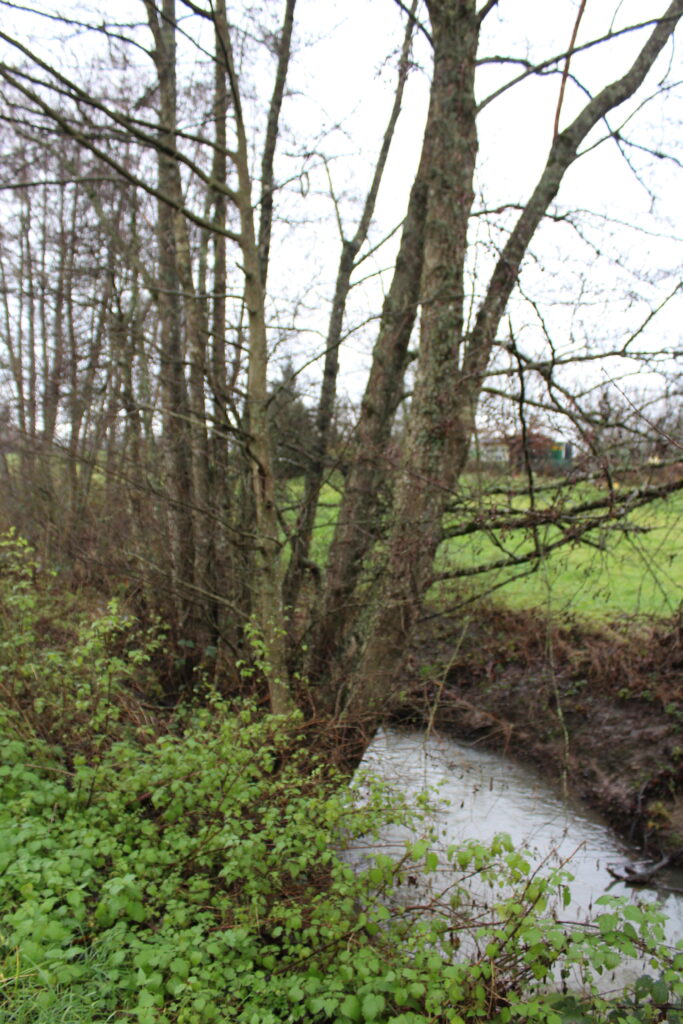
pixel 135 910
pixel 351 1008
pixel 180 967
pixel 660 992
pixel 606 923
pixel 431 861
pixel 418 849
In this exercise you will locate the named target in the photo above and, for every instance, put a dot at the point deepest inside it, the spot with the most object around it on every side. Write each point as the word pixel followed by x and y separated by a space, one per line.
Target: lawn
pixel 614 573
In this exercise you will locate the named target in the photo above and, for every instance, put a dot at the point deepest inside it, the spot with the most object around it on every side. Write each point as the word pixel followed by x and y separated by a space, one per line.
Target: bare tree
pixel 158 368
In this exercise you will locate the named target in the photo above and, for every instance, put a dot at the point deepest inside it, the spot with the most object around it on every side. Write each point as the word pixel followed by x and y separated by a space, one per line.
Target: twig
pixel 565 73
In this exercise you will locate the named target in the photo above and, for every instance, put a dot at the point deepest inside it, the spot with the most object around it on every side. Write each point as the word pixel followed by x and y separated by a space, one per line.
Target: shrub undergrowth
pixel 211 870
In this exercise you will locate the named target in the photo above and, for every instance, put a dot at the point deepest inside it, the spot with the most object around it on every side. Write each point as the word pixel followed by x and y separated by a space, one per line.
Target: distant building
pixel 546 454
pixel 543 452
pixel 490 448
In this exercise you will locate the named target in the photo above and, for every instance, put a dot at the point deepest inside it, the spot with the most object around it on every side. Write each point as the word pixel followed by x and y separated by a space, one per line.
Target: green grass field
pixel 617 573
pixel 632 573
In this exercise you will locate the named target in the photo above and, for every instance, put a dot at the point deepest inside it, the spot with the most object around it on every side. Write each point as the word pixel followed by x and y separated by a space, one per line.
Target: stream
pixel 484 793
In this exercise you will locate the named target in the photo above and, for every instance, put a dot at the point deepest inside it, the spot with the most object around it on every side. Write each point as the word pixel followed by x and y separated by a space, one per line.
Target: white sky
pixel 344 78
pixel 341 89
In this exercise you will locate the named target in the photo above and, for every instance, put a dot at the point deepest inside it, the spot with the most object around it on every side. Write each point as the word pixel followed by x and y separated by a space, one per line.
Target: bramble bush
pixel 206 873
pixel 73 679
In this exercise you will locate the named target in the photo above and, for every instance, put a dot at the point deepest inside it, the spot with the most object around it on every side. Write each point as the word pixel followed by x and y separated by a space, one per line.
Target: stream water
pixel 484 794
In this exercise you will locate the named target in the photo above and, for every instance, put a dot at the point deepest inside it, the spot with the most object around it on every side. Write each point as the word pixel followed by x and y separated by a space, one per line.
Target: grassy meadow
pixel 612 572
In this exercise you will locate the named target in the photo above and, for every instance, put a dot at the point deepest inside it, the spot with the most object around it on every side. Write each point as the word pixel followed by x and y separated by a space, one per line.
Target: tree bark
pixel 350 249
pixel 435 444
pixel 176 408
pixel 272 129
pixel 358 525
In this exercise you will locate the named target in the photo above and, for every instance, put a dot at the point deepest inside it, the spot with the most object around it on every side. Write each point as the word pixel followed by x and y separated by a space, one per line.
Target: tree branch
pixel 563 152
pixel 565 73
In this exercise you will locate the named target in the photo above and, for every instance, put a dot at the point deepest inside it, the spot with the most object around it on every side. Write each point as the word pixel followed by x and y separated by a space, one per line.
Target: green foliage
pixel 213 873
pixel 204 863
pixel 68 677
pixel 199 878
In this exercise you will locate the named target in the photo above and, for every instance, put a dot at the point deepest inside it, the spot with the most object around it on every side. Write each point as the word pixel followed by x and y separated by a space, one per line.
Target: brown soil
pixel 601 705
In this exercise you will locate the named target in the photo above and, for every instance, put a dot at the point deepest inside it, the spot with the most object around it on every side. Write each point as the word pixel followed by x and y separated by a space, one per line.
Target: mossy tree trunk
pixel 437 438
pixel 266 586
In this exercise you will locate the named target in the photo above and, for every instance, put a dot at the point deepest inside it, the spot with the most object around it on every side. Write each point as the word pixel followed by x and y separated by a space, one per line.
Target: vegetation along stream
pixel 340 390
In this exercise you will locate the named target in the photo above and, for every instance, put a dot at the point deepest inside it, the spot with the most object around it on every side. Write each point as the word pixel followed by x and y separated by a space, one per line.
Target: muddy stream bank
pixel 596 709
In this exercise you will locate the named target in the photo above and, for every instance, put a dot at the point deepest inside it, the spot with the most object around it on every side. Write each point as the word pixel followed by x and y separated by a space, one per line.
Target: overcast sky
pixel 344 77
pixel 341 89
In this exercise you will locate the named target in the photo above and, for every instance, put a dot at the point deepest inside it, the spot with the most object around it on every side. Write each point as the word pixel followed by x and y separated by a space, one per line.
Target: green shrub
pixel 72 679
pixel 200 878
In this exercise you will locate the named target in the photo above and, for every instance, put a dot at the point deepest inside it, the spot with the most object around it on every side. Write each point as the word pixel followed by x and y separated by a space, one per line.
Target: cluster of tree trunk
pixel 136 336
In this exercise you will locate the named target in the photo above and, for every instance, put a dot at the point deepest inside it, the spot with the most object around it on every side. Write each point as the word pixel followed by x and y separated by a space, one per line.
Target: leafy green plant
pixel 202 877
pixel 72 678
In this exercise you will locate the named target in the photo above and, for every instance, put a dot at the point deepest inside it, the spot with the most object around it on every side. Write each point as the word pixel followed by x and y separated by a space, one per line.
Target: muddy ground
pixel 602 704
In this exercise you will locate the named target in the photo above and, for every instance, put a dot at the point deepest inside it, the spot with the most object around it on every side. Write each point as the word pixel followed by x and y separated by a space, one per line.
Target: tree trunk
pixel 268 639
pixel 328 393
pixel 358 525
pixel 452 366
pixel 176 409
pixel 435 446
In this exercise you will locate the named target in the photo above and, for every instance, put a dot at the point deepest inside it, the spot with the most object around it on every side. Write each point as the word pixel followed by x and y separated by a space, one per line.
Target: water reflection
pixel 484 794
